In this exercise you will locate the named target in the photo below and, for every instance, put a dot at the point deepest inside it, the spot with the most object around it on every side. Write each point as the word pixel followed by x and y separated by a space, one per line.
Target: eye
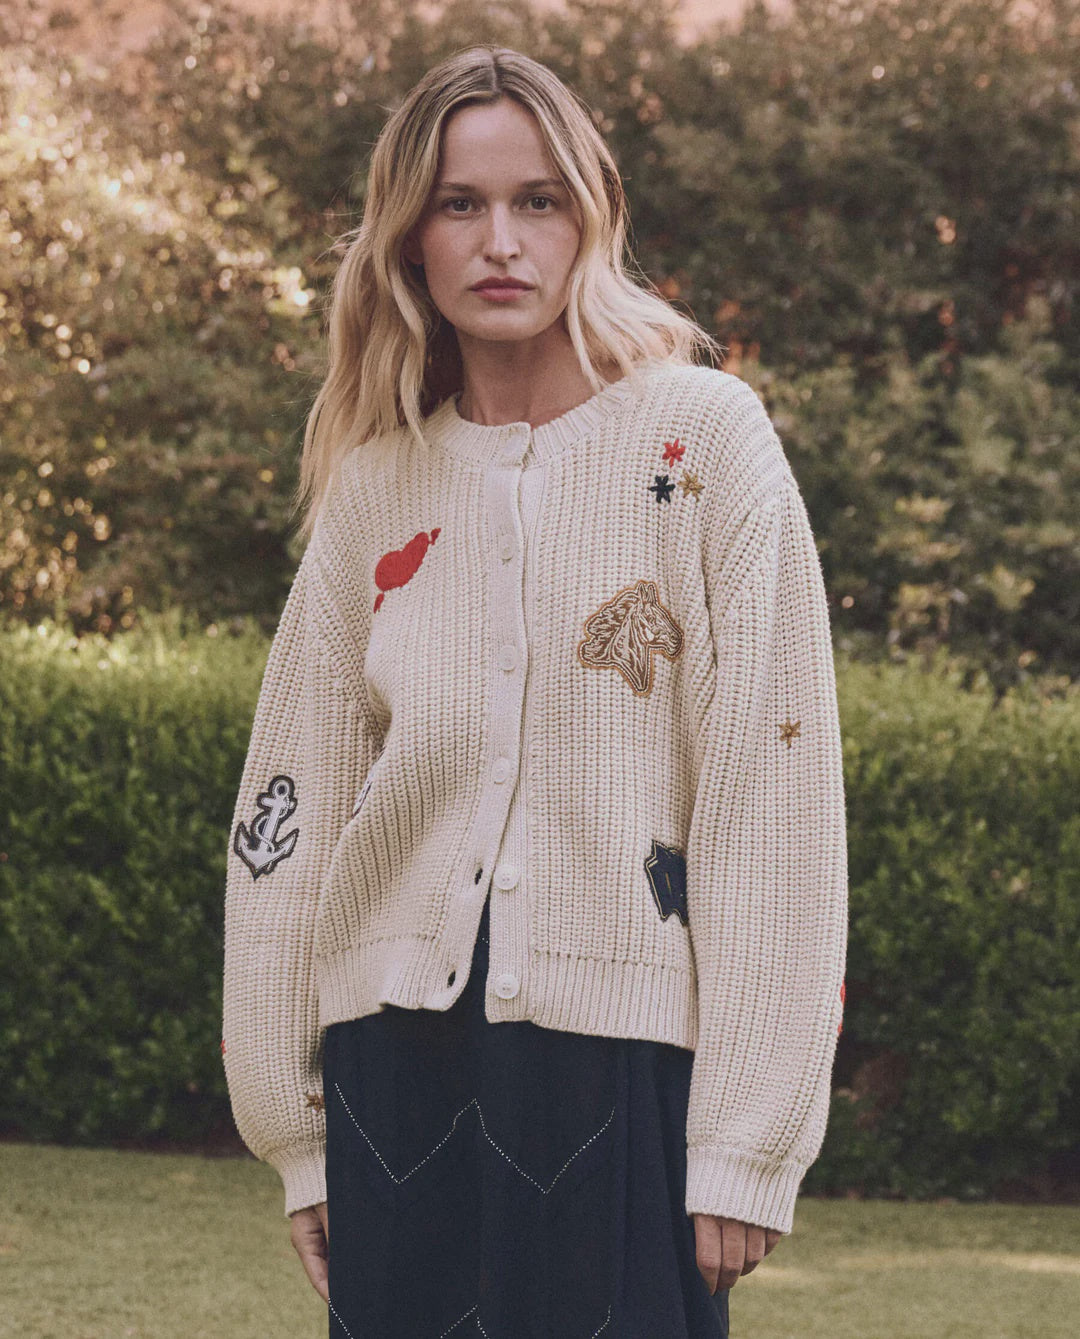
pixel 464 199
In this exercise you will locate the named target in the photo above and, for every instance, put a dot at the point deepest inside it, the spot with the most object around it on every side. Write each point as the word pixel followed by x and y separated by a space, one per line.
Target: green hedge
pixel 957 1068
pixel 119 765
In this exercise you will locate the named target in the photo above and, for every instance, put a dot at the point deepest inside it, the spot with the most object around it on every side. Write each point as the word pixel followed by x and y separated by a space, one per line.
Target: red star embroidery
pixel 223 1046
pixel 673 452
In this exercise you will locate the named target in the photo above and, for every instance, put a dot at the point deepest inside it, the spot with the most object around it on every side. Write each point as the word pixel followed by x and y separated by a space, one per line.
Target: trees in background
pixel 873 205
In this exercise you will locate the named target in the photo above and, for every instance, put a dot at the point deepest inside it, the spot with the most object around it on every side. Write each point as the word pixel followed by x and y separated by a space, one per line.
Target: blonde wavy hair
pixel 393 357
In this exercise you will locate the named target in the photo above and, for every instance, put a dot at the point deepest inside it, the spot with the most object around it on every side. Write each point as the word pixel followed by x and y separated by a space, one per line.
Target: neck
pixel 511 384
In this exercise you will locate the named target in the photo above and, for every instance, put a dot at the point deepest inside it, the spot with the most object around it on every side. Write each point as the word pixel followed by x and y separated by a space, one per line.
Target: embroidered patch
pixel 223 1046
pixel 673 452
pixel 260 849
pixel 627 631
pixel 789 730
pixel 399 566
pixel 315 1100
pixel 664 485
pixel 690 483
pixel 843 997
pixel 666 868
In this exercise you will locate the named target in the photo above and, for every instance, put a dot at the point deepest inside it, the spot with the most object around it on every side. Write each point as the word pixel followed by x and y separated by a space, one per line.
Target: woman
pixel 536 904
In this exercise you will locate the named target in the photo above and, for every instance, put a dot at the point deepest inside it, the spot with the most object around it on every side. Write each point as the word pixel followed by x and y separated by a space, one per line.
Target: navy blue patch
pixel 663 488
pixel 666 868
pixel 260 849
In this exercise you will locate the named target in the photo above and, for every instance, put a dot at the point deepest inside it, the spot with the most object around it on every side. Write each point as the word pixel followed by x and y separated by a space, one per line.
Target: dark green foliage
pixel 958 1065
pixel 957 1070
pixel 118 767
pixel 946 514
pixel 872 203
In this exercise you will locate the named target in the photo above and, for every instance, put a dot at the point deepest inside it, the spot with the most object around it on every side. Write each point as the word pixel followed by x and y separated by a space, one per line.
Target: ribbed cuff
pixel 730 1183
pixel 302 1168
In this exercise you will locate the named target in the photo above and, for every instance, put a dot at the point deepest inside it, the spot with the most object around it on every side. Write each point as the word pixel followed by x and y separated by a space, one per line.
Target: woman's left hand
pixel 727 1248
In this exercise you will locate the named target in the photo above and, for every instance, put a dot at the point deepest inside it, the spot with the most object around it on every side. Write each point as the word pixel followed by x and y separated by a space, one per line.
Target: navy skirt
pixel 507 1181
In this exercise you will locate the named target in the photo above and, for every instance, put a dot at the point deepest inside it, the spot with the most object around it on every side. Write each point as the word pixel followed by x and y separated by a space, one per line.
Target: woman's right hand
pixel 310 1235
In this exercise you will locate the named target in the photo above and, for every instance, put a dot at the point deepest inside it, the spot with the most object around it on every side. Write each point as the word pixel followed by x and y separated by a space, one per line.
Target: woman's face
pixel 497 208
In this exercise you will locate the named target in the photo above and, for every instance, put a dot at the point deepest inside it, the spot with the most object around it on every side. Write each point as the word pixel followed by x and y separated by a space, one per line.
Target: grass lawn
pixel 98 1244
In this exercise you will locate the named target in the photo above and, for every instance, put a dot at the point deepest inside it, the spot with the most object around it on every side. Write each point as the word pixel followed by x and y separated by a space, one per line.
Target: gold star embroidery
pixel 690 483
pixel 789 730
pixel 315 1100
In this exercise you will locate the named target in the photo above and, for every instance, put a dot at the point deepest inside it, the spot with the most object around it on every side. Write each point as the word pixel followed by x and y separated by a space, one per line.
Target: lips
pixel 500 283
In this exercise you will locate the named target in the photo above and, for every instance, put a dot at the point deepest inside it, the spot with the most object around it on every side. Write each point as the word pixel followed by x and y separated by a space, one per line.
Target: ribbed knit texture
pixel 616 705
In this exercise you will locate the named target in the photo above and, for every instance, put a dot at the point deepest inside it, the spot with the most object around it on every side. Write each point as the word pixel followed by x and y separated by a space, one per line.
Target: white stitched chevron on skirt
pixel 473 1102
pixel 592 1336
pixel 471 1311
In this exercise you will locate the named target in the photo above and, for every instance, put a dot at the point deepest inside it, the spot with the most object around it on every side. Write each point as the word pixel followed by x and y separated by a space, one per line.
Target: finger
pixel 708 1247
pixel 733 1235
pixel 755 1247
pixel 310 1245
pixel 315 1265
pixel 772 1236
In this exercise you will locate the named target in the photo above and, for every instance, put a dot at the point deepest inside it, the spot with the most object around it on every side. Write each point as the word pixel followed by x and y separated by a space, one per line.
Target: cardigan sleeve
pixel 766 877
pixel 312 740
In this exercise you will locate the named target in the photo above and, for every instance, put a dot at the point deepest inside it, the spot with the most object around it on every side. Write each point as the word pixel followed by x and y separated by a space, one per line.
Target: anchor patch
pixel 260 849
pixel 666 868
pixel 625 633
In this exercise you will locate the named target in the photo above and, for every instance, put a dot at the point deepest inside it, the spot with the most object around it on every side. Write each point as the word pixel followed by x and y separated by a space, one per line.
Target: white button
pixel 501 770
pixel 507 548
pixel 506 986
pixel 508 658
pixel 506 876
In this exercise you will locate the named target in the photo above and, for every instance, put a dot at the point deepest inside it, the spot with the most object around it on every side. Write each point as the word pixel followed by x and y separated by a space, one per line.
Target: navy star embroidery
pixel 662 488
pixel 666 869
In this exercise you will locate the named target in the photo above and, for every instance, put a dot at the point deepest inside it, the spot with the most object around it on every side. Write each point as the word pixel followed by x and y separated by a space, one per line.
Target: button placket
pixel 508 641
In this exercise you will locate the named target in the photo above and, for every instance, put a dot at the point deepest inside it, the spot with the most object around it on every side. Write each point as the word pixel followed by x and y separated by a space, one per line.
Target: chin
pixel 506 326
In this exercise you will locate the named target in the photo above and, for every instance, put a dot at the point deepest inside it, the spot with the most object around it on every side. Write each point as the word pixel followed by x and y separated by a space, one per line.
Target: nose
pixel 500 241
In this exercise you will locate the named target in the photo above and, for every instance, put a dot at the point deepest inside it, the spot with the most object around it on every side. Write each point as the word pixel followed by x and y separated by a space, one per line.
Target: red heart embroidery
pixel 400 565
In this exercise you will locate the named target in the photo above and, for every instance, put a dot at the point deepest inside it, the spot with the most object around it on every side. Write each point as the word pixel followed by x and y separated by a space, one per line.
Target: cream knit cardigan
pixel 586 666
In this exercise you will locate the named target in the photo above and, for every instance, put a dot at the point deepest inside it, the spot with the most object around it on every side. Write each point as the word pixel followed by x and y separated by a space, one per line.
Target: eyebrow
pixel 525 185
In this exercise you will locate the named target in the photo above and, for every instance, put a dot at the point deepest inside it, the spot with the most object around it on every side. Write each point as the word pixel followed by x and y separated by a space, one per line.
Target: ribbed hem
pixel 302 1168
pixel 729 1183
pixel 358 980
pixel 609 999
pixel 591 995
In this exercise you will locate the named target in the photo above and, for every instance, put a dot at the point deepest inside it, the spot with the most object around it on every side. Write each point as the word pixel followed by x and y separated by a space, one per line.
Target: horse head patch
pixel 260 848
pixel 666 869
pixel 627 631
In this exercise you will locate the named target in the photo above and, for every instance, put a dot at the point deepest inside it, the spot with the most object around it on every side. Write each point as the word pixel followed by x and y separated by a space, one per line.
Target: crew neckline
pixel 485 442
